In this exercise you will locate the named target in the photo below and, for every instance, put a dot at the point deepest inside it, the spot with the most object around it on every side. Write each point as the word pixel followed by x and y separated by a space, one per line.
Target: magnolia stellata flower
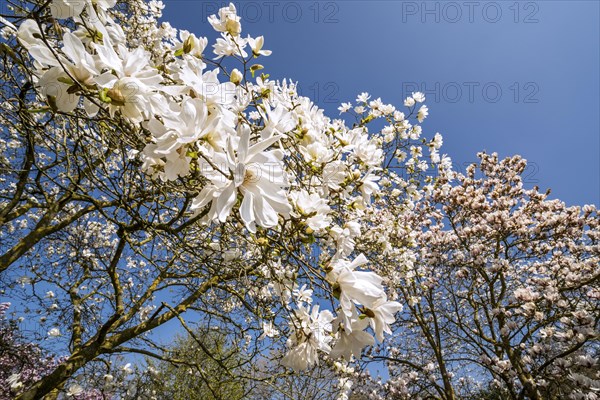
pixel 29 33
pixel 303 294
pixel 255 173
pixel 190 44
pixel 54 332
pixel 77 69
pixel 227 21
pixel 312 207
pixel 311 333
pixel 354 287
pixel 236 76
pixel 345 238
pixel 422 113
pixel 277 121
pixel 352 341
pixel 269 330
pixel 130 83
pixel 74 390
pixel 127 369
pixel 228 45
pixel 256 46
pixel 418 97
pixel 381 315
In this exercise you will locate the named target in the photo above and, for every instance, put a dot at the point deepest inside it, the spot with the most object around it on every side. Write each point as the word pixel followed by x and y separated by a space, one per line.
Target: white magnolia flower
pixel 228 45
pixel 131 84
pixel 352 341
pixel 74 390
pixel 54 332
pixel 345 238
pixel 256 46
pixel 127 369
pixel 418 97
pixel 367 150
pixel 277 121
pixel 311 333
pixel 255 173
pixel 381 315
pixel 355 287
pixel 219 96
pixel 368 186
pixel 409 102
pixel 190 44
pixel 57 82
pixel 303 294
pixel 345 107
pixel 334 174
pixel 236 77
pixel 422 113
pixel 317 153
pixel 363 97
pixel 313 208
pixel 300 357
pixel 14 382
pixel 188 125
pixel 227 21
pixel 29 34
pixel 268 330
pixel 437 141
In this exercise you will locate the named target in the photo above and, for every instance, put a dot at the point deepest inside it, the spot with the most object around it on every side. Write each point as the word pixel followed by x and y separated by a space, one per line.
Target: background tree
pixel 200 365
pixel 206 364
pixel 23 363
pixel 500 286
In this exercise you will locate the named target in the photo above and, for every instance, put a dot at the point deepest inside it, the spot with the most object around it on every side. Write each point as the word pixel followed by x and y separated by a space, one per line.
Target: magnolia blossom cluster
pixel 253 153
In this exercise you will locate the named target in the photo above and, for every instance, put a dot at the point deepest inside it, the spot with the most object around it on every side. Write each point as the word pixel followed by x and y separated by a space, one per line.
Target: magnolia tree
pixel 149 179
pixel 21 363
pixel 500 287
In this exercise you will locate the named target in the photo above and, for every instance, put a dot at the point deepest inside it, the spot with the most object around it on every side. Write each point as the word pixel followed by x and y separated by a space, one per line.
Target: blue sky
pixel 504 76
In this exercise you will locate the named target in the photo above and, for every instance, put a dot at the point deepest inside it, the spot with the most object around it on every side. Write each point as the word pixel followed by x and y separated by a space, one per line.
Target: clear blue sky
pixel 505 76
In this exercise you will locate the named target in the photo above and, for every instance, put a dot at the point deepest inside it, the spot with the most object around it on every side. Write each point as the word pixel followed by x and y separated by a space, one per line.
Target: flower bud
pixel 233 27
pixel 255 67
pixel 236 76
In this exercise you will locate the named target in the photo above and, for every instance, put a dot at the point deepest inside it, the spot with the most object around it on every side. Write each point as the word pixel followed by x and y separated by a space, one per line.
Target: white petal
pixel 226 201
pixel 247 212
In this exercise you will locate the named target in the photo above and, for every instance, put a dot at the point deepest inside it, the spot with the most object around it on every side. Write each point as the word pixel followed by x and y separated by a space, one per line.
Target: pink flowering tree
pixel 151 180
pixel 23 363
pixel 500 286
